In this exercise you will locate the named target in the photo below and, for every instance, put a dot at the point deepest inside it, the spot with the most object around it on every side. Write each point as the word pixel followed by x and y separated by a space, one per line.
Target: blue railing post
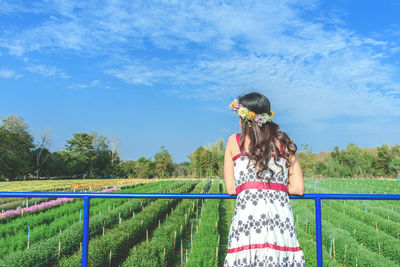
pixel 318 230
pixel 85 241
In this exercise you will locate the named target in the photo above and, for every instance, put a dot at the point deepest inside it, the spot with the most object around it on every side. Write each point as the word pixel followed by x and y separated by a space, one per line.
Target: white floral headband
pixel 248 115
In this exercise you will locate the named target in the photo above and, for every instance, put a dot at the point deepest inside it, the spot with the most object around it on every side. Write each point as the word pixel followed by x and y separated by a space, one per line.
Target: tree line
pixel 23 155
pixel 92 155
pixel 352 162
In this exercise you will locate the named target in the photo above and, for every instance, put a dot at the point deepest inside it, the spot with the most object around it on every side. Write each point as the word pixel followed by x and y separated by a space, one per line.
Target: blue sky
pixel 159 73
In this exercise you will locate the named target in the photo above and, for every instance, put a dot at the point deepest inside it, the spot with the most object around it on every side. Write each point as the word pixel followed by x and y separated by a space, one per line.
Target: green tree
pixel 63 163
pixel 104 159
pixel 16 144
pixel 203 162
pixel 126 168
pixel 322 169
pixel 333 163
pixel 395 151
pixel 144 168
pixel 338 165
pixel 380 164
pixel 182 169
pixel 395 164
pixel 308 161
pixel 218 154
pixel 195 162
pixel 357 160
pixel 164 167
pixel 83 144
pixel 84 153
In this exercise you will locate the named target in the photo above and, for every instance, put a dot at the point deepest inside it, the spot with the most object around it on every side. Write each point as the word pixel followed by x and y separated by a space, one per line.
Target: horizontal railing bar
pixel 86 196
pixel 191 195
pixel 349 196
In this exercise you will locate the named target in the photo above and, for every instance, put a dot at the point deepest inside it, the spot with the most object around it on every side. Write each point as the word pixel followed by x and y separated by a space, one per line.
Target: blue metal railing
pixel 88 196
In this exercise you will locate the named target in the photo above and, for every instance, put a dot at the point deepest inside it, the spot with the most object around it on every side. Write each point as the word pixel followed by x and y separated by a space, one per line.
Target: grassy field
pixel 166 232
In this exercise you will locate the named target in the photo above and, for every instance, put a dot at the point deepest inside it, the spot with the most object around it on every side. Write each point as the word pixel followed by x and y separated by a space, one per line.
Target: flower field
pixel 193 232
pixel 66 185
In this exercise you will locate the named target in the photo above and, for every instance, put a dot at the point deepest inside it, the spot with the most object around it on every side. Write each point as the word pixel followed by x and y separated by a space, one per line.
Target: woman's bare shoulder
pixel 232 136
pixel 231 140
pixel 231 144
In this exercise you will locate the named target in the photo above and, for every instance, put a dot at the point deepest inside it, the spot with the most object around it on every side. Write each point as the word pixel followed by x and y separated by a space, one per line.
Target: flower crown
pixel 248 115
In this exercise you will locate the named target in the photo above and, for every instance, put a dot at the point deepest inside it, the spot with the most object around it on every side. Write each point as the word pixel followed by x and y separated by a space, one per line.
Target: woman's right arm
pixel 296 181
pixel 228 168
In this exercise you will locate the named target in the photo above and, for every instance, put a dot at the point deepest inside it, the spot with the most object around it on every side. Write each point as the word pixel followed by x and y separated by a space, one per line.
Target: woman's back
pixel 262 228
pixel 242 174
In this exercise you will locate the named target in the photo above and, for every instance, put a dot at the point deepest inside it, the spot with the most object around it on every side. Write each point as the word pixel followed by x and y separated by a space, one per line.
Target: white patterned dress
pixel 262 232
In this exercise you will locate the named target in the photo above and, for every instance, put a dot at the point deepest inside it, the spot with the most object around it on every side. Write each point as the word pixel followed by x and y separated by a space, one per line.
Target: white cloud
pixel 93 83
pixel 139 74
pixel 47 71
pixel 7 74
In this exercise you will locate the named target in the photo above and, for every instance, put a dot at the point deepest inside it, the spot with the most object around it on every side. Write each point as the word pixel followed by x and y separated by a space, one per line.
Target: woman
pixel 262 168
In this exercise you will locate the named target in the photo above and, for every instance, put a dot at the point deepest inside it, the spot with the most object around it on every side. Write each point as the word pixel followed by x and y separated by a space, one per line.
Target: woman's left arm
pixel 296 181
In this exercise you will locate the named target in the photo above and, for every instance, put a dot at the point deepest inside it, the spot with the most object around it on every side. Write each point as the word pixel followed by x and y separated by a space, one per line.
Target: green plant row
pixel 159 250
pixel 379 208
pixel 227 208
pixel 4 200
pixel 45 225
pixel 206 242
pixel 351 186
pixel 45 252
pixel 390 205
pixel 121 238
pixel 308 246
pixel 366 234
pixel 354 251
pixel 307 237
pixel 389 227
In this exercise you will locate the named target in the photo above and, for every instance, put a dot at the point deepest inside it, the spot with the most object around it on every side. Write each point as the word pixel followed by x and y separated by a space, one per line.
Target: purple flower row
pixel 45 205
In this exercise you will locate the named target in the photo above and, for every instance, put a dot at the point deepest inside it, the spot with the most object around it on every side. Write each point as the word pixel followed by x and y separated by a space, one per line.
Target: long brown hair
pixel 262 139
